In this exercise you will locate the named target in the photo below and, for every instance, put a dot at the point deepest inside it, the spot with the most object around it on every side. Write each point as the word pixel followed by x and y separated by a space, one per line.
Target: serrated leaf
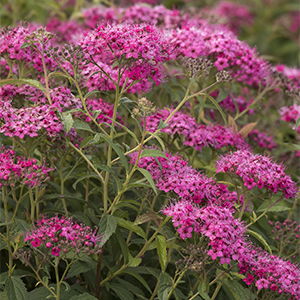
pixel 246 129
pixel 162 124
pixel 31 82
pixel 130 226
pixel 23 225
pixel 123 245
pixel 201 291
pixel 149 178
pixel 81 266
pixel 118 151
pixel 153 153
pixel 261 239
pixel 134 262
pixel 84 296
pixel 122 292
pixel 139 278
pixel 165 286
pixel 162 251
pixel 134 289
pixel 146 217
pixel 85 141
pixel 159 140
pixel 82 126
pixel 15 289
pixel 238 291
pixel 107 226
pixel 67 121
pixel 96 113
pixel 278 207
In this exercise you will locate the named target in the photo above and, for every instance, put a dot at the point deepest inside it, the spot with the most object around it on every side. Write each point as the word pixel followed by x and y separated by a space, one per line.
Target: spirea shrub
pixel 149 152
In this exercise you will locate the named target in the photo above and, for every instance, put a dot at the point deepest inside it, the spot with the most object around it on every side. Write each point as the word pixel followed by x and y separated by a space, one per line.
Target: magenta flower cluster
pixel 257 170
pixel 262 140
pixel 60 235
pixel 174 174
pixel 228 241
pixel 196 135
pixel 28 121
pixel 16 169
pixel 291 114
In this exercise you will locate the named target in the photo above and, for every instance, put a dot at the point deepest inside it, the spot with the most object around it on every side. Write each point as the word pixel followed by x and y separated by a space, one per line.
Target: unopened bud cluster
pixel 144 108
pixel 223 76
pixel 196 66
pixel 195 258
pixel 40 35
pixel 287 232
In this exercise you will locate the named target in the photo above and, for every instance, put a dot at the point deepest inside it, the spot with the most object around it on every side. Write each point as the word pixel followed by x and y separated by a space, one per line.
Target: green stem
pixel 62 184
pixel 216 291
pixel 175 284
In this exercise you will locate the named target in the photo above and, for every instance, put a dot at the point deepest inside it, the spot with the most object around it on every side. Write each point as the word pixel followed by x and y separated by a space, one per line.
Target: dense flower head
pixel 257 170
pixel 16 169
pixel 174 175
pixel 61 235
pixel 196 135
pixel 291 73
pixel 142 46
pixel 234 14
pixel 12 40
pixel 28 121
pixel 290 114
pixel 224 48
pixel 262 140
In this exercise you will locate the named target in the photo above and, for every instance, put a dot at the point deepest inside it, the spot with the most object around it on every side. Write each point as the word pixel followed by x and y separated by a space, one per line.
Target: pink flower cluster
pixel 257 170
pixel 228 241
pixel 12 40
pixel 235 15
pixel 290 114
pixel 28 121
pixel 262 140
pixel 143 46
pixel 291 73
pixel 14 170
pixel 174 174
pixel 62 234
pixel 196 135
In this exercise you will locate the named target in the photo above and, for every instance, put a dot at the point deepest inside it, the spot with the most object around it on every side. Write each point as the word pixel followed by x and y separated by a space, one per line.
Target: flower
pixel 62 233
pixel 257 170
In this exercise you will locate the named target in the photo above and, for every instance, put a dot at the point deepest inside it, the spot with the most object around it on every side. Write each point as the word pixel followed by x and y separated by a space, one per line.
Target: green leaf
pixel 126 100
pixel 123 245
pixel 96 113
pixel 15 289
pixel 139 278
pixel 107 226
pixel 130 226
pixel 237 290
pixel 85 177
pixel 165 286
pixel 134 262
pixel 218 107
pixel 201 291
pixel 118 151
pixel 122 292
pixel 162 124
pixel 148 177
pixel 261 239
pixel 159 140
pixel 89 94
pixel 68 121
pixel 162 251
pixel 278 207
pixel 22 224
pixel 82 266
pixel 31 82
pixel 85 141
pixel 297 123
pixel 146 217
pixel 153 153
pixel 222 95
pixel 60 74
pixel 82 126
pixel 84 296
pixel 134 289
pixel 25 45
